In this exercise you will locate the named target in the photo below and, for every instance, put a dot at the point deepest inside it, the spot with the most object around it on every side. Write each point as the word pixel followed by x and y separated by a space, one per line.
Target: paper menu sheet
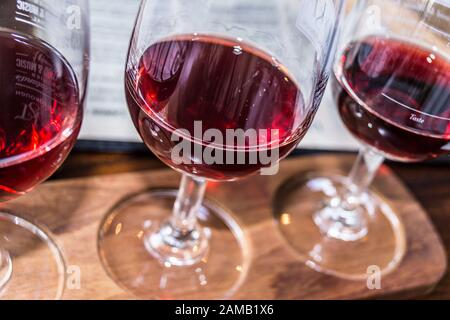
pixel 107 117
pixel 327 132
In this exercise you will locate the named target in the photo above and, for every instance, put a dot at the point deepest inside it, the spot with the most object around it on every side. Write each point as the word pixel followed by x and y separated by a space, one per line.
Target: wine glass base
pixel 376 243
pixel 160 243
pixel 31 264
pixel 5 268
pixel 129 251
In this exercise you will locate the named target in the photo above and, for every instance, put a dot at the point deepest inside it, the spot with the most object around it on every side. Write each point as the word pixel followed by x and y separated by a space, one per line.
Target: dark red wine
pixel 395 97
pixel 225 85
pixel 40 113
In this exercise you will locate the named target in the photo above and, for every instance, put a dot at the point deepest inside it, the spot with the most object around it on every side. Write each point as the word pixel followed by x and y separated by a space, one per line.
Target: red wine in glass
pixel 40 113
pixel 223 83
pixel 395 97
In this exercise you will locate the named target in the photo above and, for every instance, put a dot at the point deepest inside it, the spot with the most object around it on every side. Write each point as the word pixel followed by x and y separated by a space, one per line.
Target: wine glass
pixel 43 63
pixel 218 91
pixel 392 91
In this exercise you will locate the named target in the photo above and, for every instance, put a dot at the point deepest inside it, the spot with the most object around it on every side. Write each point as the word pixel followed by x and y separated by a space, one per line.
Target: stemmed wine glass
pixel 217 90
pixel 392 90
pixel 44 66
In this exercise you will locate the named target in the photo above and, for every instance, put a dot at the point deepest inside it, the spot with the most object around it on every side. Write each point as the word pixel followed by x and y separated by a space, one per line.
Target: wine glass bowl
pixel 217 97
pixel 203 94
pixel 37 128
pixel 44 68
pixel 403 112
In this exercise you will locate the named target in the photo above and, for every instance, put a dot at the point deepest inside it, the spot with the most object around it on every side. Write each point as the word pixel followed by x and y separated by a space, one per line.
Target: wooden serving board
pixel 73 210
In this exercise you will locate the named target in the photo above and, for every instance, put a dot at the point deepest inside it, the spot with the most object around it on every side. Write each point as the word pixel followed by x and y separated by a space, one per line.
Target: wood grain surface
pixel 73 209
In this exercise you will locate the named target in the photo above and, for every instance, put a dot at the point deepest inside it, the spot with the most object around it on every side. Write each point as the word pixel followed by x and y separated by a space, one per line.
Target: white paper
pixel 327 132
pixel 107 117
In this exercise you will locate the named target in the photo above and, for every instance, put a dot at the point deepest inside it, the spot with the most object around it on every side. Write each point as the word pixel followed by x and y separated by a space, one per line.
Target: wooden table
pixel 429 183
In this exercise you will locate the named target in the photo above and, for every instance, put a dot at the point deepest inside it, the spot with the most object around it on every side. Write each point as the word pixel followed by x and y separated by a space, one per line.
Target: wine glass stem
pixel 180 240
pixel 189 199
pixel 344 216
pixel 364 170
